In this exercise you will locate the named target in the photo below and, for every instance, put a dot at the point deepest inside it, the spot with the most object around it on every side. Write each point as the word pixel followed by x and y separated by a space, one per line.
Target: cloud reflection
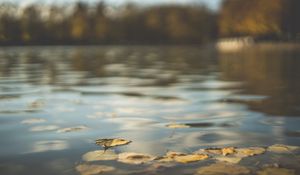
pixel 49 145
pixel 44 128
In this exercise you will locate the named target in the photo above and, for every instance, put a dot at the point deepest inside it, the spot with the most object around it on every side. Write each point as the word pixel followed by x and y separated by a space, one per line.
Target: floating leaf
pixel 276 171
pixel 224 151
pixel 85 169
pixel 190 158
pixel 100 155
pixel 181 157
pixel 169 157
pixel 108 143
pixel 33 121
pixel 174 125
pixel 223 168
pixel 251 151
pixel 229 159
pixel 135 158
pixel 72 129
pixel 279 148
pixel 228 150
pixel 173 154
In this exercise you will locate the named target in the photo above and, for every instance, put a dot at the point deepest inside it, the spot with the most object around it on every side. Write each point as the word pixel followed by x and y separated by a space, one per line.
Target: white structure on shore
pixel 234 44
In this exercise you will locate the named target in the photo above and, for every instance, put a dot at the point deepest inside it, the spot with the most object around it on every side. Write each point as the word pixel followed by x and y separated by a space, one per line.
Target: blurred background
pixel 145 22
pixel 74 71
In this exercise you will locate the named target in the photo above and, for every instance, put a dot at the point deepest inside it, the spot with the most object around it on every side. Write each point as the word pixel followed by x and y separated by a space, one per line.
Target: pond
pixel 56 101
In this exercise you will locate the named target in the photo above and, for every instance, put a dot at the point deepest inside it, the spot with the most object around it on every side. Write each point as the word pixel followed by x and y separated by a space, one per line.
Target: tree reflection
pixel 271 73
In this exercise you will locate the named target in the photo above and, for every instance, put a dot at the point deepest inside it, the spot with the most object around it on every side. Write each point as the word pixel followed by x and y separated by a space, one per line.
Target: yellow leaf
pixel 135 158
pixel 251 151
pixel 229 159
pixel 190 158
pixel 279 148
pixel 224 151
pixel 107 143
pixel 228 150
pixel 174 125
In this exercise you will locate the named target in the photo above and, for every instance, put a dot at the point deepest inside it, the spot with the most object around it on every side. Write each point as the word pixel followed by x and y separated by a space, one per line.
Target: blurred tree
pixel 101 24
pixel 259 17
pixel 31 25
pixel 9 24
pixel 79 22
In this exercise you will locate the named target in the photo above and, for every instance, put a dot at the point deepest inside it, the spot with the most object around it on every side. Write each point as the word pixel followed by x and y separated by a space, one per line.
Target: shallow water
pixel 251 98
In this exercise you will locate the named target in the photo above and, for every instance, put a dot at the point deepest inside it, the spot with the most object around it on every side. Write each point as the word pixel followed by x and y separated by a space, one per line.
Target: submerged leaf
pixel 135 158
pixel 72 129
pixel 223 168
pixel 107 143
pixel 181 157
pixel 251 151
pixel 174 125
pixel 173 154
pixel 228 150
pixel 100 155
pixel 169 157
pixel 190 158
pixel 276 171
pixel 279 148
pixel 224 151
pixel 86 169
pixel 229 159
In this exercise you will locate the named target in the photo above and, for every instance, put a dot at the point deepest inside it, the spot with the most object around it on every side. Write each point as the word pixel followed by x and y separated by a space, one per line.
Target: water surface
pixel 251 98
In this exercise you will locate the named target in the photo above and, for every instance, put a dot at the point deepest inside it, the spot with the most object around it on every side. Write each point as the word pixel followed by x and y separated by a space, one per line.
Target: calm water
pixel 250 98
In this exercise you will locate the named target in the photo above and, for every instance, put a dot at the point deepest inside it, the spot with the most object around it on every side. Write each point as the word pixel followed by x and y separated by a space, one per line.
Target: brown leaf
pixel 135 158
pixel 107 143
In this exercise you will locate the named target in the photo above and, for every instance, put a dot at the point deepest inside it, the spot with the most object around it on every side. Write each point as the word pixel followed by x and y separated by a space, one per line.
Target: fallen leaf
pixel 190 158
pixel 169 157
pixel 99 155
pixel 72 129
pixel 224 151
pixel 229 159
pixel 228 150
pixel 279 148
pixel 181 157
pixel 223 168
pixel 85 169
pixel 135 158
pixel 33 121
pixel 251 151
pixel 174 125
pixel 173 154
pixel 108 143
pixel 276 171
